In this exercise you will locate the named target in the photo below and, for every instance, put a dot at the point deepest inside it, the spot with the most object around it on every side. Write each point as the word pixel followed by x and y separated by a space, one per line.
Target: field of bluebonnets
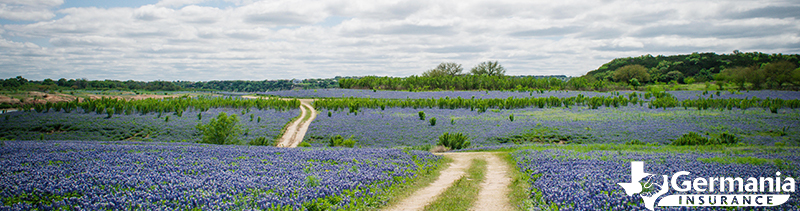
pixel 125 163
pixel 88 175
pixel 587 180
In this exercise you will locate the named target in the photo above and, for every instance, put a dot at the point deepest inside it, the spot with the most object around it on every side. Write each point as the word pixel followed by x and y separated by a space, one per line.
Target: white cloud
pixel 28 10
pixel 256 40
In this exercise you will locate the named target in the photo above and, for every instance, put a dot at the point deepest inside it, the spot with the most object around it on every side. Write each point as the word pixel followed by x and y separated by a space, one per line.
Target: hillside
pixel 701 66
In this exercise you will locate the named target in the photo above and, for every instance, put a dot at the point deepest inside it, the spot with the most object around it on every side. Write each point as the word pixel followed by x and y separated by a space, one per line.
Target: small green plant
pixel 433 121
pixel 635 142
pixel 694 139
pixel 452 121
pixel 453 141
pixel 312 181
pixel 329 113
pixel 304 144
pixel 421 115
pixel 252 116
pixel 166 119
pixel 223 129
pixel 339 141
pixel 259 120
pixel 261 141
pixel 199 116
pixel 511 117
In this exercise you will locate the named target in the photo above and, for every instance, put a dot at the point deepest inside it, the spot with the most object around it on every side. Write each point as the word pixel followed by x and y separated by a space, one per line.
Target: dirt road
pixel 297 129
pixel 494 188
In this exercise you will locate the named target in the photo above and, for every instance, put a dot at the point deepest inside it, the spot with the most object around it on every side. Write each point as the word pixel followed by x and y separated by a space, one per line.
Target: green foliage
pixel 462 82
pixel 453 141
pixel 511 117
pixel 444 69
pixel 166 105
pixel 304 144
pixel 221 130
pixel 489 68
pixel 433 121
pixel 339 141
pixel 663 100
pixel 694 139
pixel 261 141
pixel 635 142
pixel 701 66
pixel 329 113
pixel 626 73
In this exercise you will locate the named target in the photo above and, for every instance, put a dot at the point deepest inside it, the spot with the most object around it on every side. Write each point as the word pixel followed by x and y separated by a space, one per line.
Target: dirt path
pixel 297 129
pixel 494 189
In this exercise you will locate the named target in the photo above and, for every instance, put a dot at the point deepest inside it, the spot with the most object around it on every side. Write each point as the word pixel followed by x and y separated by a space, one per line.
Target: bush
pixel 221 130
pixel 261 141
pixel 421 115
pixel 453 141
pixel 433 121
pixel 694 139
pixel 339 141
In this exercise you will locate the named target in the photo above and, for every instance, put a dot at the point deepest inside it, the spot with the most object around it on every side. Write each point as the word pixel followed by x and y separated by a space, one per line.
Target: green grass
pixel 464 192
pixel 422 180
pixel 520 184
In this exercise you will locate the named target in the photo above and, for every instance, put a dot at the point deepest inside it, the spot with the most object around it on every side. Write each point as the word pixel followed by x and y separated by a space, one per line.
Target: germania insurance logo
pixel 726 191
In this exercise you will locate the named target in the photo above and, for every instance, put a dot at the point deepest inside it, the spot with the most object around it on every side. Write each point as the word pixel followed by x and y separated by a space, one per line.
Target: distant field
pixel 360 93
pixel 403 127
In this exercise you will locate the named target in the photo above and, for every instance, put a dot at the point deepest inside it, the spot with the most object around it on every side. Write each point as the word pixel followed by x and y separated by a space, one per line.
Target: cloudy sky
pixel 201 40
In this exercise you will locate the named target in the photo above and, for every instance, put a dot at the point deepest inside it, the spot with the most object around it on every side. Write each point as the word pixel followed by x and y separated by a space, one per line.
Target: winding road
pixel 297 129
pixel 493 195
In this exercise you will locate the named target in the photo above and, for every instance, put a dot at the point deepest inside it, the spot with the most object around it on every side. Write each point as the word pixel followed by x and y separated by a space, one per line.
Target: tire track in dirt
pixel 494 189
pixel 297 129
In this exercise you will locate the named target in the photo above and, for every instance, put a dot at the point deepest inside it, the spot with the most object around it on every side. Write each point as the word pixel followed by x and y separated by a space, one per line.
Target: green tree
pixel 626 73
pixel 489 68
pixel 674 76
pixel 221 130
pixel 779 72
pixel 444 69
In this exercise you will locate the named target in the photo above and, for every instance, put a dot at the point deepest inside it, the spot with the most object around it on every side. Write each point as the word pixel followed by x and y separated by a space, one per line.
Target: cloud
pixel 283 39
pixel 705 29
pixel 769 12
pixel 24 10
pixel 547 32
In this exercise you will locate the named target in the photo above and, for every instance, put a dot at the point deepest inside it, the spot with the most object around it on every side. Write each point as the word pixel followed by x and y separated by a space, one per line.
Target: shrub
pixel 261 141
pixel 339 141
pixel 690 139
pixel 454 141
pixel 221 130
pixel 433 121
pixel 511 117
pixel 421 115
pixel 694 139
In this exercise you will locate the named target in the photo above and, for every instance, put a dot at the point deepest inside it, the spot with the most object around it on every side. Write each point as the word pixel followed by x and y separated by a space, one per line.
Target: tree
pixel 444 69
pixel 734 75
pixel 779 72
pixel 626 73
pixel 674 76
pixel 221 130
pixel 489 68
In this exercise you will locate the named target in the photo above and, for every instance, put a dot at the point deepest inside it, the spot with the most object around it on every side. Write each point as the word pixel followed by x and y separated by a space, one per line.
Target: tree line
pixel 653 99
pixel 20 83
pixel 760 70
pixel 112 106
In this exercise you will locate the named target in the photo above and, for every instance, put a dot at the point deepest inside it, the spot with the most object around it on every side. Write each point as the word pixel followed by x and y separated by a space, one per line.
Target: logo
pixel 736 191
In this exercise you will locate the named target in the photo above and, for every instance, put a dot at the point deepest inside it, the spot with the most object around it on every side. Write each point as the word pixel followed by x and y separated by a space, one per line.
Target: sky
pixel 203 40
